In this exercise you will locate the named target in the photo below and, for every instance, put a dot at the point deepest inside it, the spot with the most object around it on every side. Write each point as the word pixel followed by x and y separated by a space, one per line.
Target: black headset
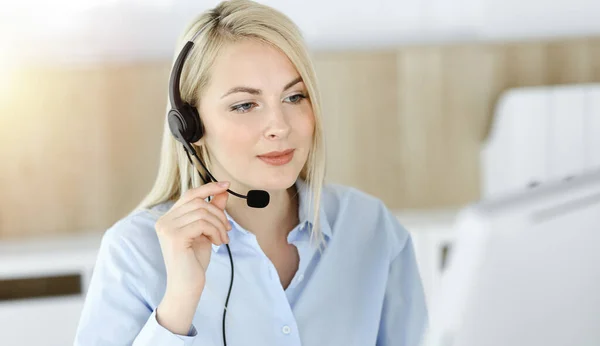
pixel 186 126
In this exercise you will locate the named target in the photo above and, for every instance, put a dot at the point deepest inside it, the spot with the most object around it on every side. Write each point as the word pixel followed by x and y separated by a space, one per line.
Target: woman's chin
pixel 274 182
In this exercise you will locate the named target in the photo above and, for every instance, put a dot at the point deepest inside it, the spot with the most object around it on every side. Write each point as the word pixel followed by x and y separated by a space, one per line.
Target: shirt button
pixel 300 277
pixel 286 330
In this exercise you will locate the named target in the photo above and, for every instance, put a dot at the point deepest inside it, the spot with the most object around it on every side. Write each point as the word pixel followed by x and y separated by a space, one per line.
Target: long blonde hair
pixel 228 22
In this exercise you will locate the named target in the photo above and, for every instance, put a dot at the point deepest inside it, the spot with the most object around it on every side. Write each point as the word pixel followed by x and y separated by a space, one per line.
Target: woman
pixel 318 265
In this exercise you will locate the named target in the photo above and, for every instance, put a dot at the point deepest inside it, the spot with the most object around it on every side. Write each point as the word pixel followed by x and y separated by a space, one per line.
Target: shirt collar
pixel 305 213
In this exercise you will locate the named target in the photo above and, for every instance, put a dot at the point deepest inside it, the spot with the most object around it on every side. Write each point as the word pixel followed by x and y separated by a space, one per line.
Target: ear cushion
pixel 185 124
pixel 176 124
pixel 192 119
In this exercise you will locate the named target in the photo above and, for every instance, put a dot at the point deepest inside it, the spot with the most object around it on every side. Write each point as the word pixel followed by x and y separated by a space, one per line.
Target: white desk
pixel 48 321
pixel 432 232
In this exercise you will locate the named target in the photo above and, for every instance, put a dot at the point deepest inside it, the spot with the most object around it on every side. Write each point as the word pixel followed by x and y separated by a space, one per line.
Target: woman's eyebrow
pixel 292 83
pixel 254 91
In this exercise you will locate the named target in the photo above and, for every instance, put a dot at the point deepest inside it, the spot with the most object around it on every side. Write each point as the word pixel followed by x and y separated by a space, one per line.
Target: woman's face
pixel 256 105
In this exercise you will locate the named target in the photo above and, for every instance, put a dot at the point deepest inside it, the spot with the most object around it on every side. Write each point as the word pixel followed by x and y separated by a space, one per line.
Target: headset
pixel 186 126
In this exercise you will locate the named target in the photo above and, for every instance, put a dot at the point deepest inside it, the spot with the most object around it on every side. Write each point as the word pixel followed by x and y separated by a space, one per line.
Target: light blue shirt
pixel 364 289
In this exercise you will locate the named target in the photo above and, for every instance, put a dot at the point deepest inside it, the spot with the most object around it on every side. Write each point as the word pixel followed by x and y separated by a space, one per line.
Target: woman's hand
pixel 186 233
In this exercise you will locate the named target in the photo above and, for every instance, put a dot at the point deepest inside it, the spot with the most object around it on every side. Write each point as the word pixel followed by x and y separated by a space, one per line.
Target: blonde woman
pixel 198 264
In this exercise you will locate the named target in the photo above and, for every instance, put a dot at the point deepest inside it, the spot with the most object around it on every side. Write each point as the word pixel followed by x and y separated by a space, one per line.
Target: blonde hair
pixel 228 22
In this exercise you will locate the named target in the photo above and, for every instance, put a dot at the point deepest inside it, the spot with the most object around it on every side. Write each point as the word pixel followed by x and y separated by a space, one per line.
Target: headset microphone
pixel 186 126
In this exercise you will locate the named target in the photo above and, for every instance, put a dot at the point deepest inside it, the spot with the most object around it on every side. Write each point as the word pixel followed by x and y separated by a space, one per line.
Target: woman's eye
pixel 243 107
pixel 247 106
pixel 296 98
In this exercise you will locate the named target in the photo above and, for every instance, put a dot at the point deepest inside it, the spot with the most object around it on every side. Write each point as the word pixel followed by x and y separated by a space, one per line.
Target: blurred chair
pixel 541 134
pixel 538 134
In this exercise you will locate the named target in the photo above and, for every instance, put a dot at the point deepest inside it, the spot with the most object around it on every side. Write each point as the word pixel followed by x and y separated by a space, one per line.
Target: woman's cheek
pixel 237 142
pixel 307 125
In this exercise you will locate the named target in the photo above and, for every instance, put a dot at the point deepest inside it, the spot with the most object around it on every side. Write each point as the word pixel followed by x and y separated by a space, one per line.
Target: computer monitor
pixel 524 270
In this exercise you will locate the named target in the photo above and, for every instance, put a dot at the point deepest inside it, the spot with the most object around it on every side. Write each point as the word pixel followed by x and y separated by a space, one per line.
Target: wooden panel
pixel 135 125
pixel 52 128
pixel 40 287
pixel 569 62
pixel 524 64
pixel 361 127
pixel 594 58
pixel 470 75
pixel 72 159
pixel 420 109
pixel 80 146
pixel 444 96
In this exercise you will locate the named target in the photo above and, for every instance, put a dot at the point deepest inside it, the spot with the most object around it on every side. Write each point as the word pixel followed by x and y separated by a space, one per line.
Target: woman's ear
pixel 199 143
pixel 202 150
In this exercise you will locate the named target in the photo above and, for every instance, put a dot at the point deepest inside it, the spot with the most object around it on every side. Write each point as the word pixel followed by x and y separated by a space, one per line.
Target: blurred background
pixel 429 105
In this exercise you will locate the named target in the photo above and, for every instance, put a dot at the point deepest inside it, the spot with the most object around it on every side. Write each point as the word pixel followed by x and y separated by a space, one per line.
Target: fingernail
pixel 223 183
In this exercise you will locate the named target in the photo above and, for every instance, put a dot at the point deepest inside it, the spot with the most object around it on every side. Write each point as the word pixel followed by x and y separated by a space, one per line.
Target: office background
pixel 410 91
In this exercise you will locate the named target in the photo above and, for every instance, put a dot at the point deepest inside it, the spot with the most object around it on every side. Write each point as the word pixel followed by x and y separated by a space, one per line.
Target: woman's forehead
pixel 254 64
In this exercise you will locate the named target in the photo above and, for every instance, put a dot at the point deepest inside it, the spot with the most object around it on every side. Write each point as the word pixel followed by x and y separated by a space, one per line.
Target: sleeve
pixel 114 312
pixel 404 315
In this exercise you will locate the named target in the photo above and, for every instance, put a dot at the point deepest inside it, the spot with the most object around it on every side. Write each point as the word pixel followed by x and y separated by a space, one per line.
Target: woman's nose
pixel 277 125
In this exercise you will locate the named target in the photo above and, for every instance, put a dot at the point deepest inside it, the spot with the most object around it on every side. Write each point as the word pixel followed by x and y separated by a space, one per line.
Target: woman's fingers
pixel 201 228
pixel 198 203
pixel 201 192
pixel 206 215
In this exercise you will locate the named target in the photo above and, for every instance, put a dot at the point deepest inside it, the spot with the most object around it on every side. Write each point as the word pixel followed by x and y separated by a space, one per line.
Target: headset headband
pixel 174 80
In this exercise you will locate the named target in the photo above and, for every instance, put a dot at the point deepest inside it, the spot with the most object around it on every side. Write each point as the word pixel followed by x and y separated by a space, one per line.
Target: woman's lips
pixel 278 159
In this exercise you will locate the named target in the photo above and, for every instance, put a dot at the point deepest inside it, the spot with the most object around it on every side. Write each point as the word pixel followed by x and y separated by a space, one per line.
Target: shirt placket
pixel 285 327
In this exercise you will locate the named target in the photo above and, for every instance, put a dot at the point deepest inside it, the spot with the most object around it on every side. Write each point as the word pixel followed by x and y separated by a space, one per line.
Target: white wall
pixel 124 29
pixel 539 18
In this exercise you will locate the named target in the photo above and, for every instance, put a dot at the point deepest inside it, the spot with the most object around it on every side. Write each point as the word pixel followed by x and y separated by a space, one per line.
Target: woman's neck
pixel 271 224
